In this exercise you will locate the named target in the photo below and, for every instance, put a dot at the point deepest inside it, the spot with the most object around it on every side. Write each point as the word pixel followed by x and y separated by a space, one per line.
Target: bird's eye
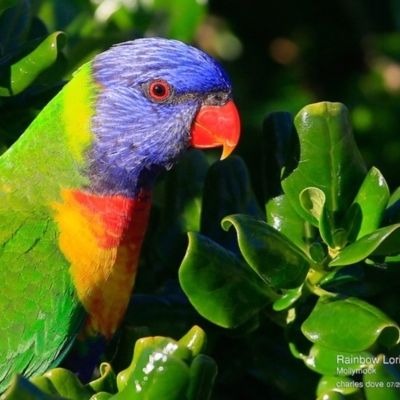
pixel 159 90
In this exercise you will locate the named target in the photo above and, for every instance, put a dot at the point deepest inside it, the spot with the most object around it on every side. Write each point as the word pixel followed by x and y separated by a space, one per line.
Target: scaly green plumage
pixel 33 268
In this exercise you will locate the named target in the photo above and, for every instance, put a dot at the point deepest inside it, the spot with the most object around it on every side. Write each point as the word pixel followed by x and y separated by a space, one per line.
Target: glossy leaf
pixel 221 287
pixel 331 233
pixel 45 385
pixel 68 384
pixel 326 361
pixel 332 395
pixel 367 210
pixel 25 66
pixel 329 159
pixel 101 396
pixel 22 388
pixel 159 374
pixel 283 217
pixel 106 382
pixel 384 241
pixel 339 387
pixel 195 340
pixel 289 298
pixel 203 371
pixel 332 324
pixel 277 260
pixel 160 369
pixel 384 383
pixel 140 346
pixel 313 200
pixel 318 252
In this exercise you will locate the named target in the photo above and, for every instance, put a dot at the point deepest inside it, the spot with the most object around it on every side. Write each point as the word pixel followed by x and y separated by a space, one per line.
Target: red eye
pixel 159 90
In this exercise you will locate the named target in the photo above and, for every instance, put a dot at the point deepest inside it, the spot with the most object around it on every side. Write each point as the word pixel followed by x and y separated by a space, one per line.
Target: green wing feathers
pixel 39 312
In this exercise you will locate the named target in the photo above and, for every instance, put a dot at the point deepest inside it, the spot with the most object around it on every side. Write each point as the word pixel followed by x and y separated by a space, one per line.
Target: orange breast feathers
pixel 101 237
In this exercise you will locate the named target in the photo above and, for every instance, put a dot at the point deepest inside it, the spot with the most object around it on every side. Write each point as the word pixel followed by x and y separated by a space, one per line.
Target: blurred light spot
pixel 106 8
pixel 283 51
pixel 202 2
pixel 215 38
pixel 362 118
pixel 310 361
pixel 147 3
pixel 391 77
pixel 228 46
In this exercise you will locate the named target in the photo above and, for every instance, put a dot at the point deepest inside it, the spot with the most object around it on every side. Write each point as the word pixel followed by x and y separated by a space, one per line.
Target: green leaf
pixel 22 388
pixel 101 396
pixel 332 324
pixel 221 287
pixel 326 361
pixel 289 298
pixel 195 340
pixel 339 387
pixel 277 260
pixel 158 375
pixel 334 237
pixel 318 252
pixel 384 383
pixel 333 395
pixel 106 382
pixel 68 384
pixel 329 160
pixel 140 345
pixel 29 62
pixel 203 372
pixel 366 212
pixel 283 217
pixel 312 200
pixel 382 242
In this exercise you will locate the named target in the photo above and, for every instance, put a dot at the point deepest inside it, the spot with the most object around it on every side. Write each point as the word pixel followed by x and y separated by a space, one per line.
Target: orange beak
pixel 216 126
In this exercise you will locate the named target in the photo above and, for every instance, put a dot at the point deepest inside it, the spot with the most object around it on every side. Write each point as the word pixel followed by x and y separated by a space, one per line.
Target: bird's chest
pixel 101 237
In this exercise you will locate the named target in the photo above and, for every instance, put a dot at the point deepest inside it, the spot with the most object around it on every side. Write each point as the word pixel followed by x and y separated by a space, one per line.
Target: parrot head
pixel 156 98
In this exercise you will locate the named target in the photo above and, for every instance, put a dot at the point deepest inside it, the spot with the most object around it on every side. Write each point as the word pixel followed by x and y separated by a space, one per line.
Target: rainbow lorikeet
pixel 75 191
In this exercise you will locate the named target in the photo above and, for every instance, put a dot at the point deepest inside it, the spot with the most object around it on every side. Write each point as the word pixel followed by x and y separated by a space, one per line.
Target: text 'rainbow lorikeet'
pixel 75 191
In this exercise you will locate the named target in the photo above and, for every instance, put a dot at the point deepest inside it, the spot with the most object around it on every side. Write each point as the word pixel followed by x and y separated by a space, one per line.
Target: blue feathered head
pixel 158 97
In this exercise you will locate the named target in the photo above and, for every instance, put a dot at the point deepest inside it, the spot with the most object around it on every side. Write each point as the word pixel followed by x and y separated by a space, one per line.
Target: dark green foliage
pixel 326 232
